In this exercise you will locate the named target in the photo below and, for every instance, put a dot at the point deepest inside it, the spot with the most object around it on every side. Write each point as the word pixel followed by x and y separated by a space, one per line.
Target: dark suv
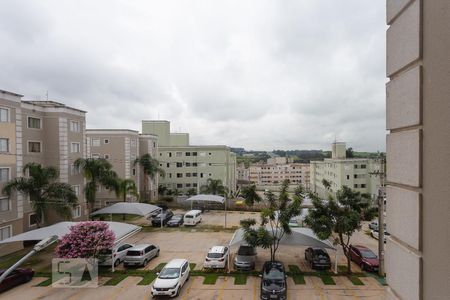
pixel 318 258
pixel 273 281
pixel 163 217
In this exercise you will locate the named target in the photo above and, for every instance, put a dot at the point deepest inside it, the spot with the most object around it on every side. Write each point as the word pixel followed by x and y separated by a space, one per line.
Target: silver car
pixel 245 258
pixel 140 255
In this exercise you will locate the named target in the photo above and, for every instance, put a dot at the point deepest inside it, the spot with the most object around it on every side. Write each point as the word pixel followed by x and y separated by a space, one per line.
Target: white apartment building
pixel 338 170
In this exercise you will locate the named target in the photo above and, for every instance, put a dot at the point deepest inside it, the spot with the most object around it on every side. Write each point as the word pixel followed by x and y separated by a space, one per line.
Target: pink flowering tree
pixel 85 240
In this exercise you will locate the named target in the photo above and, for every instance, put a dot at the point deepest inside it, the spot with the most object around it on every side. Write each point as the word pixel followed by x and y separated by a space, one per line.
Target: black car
pixel 273 281
pixel 318 258
pixel 15 278
pixel 164 216
pixel 175 221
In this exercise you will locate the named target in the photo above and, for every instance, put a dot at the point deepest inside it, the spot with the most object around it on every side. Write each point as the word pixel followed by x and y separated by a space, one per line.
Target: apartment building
pixel 278 169
pixel 44 132
pixel 189 166
pixel 418 162
pixel 243 173
pixel 339 170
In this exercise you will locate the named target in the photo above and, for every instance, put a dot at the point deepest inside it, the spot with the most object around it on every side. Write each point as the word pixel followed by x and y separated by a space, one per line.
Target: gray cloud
pixel 260 74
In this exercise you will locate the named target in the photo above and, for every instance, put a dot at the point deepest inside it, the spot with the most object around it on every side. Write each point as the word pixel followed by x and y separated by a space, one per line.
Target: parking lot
pixel 193 244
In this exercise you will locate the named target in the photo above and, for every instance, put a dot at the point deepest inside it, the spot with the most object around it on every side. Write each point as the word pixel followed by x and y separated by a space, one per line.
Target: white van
pixel 192 217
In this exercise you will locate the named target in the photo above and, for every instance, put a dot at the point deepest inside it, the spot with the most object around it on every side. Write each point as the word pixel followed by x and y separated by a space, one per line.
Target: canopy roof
pixel 141 209
pixel 121 230
pixel 207 198
pixel 299 237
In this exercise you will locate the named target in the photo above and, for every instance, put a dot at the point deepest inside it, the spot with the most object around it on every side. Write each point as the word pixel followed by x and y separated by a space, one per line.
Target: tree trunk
pixel 145 188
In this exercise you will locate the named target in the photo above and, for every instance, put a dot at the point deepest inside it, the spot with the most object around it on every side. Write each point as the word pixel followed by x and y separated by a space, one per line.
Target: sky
pixel 263 75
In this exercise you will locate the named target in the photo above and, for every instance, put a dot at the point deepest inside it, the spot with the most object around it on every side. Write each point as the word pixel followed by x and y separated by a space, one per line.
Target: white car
pixel 117 253
pixel 171 278
pixel 216 258
pixel 375 234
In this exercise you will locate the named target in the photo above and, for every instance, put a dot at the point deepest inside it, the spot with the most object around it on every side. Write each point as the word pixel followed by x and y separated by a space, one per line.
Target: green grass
pixel 294 269
pixel 116 279
pixel 147 279
pixel 355 280
pixel 159 267
pixel 298 279
pixel 240 279
pixel 46 282
pixel 210 279
pixel 327 279
pixel 192 266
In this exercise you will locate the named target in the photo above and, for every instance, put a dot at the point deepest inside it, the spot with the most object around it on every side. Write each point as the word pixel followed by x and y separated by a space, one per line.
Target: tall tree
pixel 250 195
pixel 214 187
pixel 275 216
pixel 126 187
pixel 150 168
pixel 98 172
pixel 46 194
pixel 340 218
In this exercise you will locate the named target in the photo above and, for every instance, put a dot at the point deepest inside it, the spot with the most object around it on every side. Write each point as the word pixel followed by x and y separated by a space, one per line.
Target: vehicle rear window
pixel 133 253
pixel 246 251
pixel 214 255
pixel 189 217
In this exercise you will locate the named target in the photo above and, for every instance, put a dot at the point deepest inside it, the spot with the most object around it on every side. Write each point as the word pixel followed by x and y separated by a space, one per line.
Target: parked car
pixel 245 258
pixel 273 281
pixel 192 217
pixel 15 278
pixel 117 253
pixel 375 234
pixel 165 216
pixel 171 278
pixel 154 213
pixel 216 258
pixel 175 221
pixel 364 257
pixel 318 258
pixel 140 255
pixel 293 222
pixel 374 225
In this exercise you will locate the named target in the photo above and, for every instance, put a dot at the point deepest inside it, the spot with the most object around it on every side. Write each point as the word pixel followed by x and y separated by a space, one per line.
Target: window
pixel 74 126
pixel 75 147
pixel 188 164
pixel 95 156
pixel 194 185
pixel 34 147
pixel 201 175
pixel 194 153
pixel 154 145
pixel 4 204
pixel 363 186
pixel 76 212
pixel 179 175
pixel 4 174
pixel 95 142
pixel 188 153
pixel 34 123
pixel 348 177
pixel 188 185
pixel 168 165
pixel 188 174
pixel 179 185
pixel 363 166
pixel 194 174
pixel 76 189
pixel 134 172
pixel 74 170
pixel 194 164
pixel 179 154
pixel 210 153
pixel 106 141
pixel 4 114
pixel 355 186
pixel 32 220
pixel 356 166
pixel 5 232
pixel 170 175
pixel 4 145
pixel 179 165
pixel 170 154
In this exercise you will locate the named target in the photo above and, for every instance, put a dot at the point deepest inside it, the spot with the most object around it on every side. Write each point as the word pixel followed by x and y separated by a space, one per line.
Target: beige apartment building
pixel 339 170
pixel 418 162
pixel 278 169
pixel 189 166
pixel 121 147
pixel 44 132
pixel 243 173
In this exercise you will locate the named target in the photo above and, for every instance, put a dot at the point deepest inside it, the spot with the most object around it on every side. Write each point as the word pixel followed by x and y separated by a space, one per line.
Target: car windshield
pixel 274 273
pixel 320 253
pixel 246 251
pixel 368 254
pixel 214 255
pixel 169 273
pixel 271 282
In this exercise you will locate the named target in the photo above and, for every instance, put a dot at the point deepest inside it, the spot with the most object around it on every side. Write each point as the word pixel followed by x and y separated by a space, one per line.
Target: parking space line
pixel 222 287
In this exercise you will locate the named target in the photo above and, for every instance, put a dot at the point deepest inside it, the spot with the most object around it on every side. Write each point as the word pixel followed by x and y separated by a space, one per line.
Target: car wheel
pixel 187 279
pixel 178 292
pixel 145 262
pixel 363 268
pixel 27 278
pixel 116 262
pixel 157 253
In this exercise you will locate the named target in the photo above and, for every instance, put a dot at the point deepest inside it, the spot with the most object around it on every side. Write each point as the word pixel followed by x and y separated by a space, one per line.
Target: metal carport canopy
pixel 121 231
pixel 206 198
pixel 141 209
pixel 299 237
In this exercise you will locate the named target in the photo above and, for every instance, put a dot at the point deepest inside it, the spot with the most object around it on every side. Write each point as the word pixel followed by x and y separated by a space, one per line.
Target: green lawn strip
pixel 380 279
pixel 355 280
pixel 147 279
pixel 296 274
pixel 294 269
pixel 159 267
pixel 46 282
pixel 240 279
pixel 210 279
pixel 327 279
pixel 117 279
pixel 192 266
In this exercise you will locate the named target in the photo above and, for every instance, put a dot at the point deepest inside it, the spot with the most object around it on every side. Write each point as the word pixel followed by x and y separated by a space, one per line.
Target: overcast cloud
pixel 256 74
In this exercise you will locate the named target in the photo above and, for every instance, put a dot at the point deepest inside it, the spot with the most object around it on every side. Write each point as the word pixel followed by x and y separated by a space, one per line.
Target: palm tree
pixel 250 195
pixel 46 194
pixel 150 168
pixel 126 187
pixel 98 172
pixel 214 187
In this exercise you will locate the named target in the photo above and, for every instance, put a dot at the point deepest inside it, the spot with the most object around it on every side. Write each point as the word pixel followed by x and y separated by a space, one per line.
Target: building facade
pixel 278 169
pixel 417 117
pixel 44 132
pixel 189 166
pixel 356 173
